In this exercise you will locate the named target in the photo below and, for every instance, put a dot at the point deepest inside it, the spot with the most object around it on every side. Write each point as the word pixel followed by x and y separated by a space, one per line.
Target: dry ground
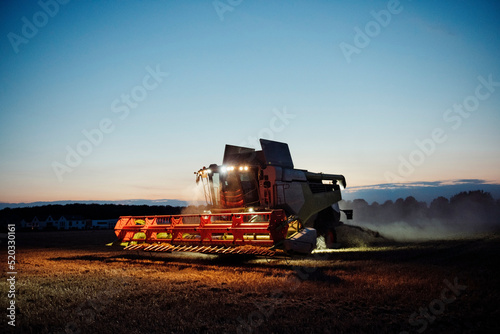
pixel 69 282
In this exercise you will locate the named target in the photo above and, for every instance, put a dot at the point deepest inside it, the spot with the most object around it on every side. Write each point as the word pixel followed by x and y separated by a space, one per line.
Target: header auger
pixel 257 203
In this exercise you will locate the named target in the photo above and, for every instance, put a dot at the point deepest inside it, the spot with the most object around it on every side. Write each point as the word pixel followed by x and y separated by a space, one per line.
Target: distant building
pixel 33 224
pixel 73 223
pixel 67 223
pixel 49 223
pixel 103 224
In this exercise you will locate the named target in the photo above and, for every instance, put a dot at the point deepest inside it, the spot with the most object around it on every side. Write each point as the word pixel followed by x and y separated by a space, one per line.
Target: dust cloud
pixel 467 214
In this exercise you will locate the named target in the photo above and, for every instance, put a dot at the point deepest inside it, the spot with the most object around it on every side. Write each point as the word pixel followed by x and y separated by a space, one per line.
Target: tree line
pixel 87 211
pixel 472 207
pixel 465 208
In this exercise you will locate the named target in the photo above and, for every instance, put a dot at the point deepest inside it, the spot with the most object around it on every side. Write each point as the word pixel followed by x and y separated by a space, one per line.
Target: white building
pixel 33 224
pixel 59 223
pixel 104 224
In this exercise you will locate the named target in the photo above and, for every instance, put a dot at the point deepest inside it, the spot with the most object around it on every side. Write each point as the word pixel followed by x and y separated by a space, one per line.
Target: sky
pixel 127 99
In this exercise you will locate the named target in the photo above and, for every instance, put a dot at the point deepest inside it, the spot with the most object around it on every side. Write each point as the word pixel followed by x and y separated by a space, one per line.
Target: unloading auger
pixel 257 203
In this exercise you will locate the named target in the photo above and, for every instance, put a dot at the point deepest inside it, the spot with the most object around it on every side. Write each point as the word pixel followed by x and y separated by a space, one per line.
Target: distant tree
pixel 375 213
pixel 399 210
pixel 477 196
pixel 414 211
pixel 440 208
pixel 386 212
pixel 388 204
pixel 360 206
pixel 474 208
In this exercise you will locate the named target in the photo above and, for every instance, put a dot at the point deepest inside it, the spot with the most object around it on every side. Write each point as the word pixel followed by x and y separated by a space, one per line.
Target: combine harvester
pixel 257 203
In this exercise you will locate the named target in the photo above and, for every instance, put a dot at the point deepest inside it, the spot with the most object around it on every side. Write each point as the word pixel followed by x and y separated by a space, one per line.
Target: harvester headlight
pixel 245 168
pixel 225 169
pixel 208 171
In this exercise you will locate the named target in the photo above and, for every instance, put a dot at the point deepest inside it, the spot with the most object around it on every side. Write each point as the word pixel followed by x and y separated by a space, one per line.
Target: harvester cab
pixel 257 203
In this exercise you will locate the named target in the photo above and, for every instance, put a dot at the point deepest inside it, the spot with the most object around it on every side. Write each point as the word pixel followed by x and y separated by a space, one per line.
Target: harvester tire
pixel 325 223
pixel 331 238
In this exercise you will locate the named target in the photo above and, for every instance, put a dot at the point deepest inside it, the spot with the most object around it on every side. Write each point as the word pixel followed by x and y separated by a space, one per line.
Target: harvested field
pixel 69 282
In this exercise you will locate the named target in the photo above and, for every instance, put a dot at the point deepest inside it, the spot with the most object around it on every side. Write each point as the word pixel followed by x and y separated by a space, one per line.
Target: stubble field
pixel 70 282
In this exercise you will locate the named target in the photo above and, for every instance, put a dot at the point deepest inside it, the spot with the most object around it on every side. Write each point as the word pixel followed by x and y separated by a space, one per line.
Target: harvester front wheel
pixel 325 223
pixel 331 238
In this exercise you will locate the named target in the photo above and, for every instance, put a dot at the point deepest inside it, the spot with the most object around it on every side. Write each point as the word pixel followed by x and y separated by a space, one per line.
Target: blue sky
pixel 168 84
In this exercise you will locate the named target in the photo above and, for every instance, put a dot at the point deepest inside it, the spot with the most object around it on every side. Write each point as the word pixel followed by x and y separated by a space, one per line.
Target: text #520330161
pixel 11 274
